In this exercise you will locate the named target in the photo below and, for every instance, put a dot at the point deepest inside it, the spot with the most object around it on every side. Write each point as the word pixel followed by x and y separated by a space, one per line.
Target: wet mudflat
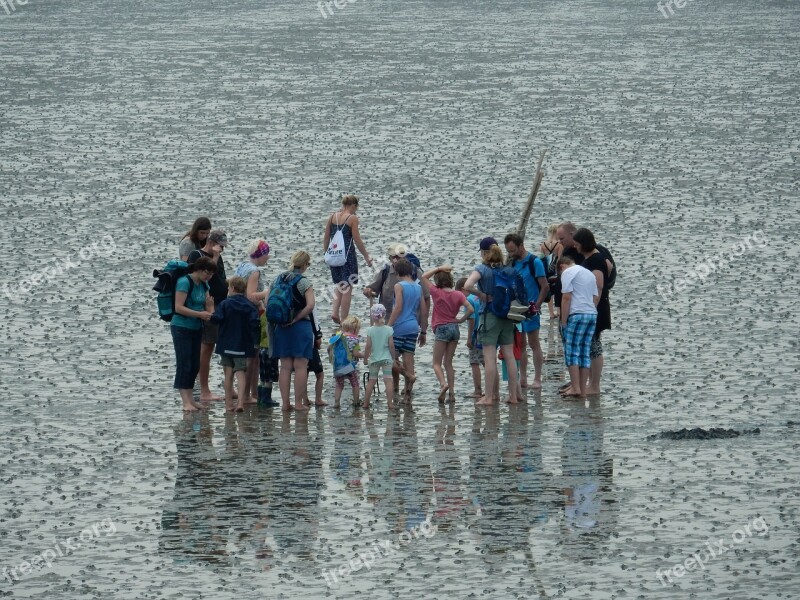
pixel 675 140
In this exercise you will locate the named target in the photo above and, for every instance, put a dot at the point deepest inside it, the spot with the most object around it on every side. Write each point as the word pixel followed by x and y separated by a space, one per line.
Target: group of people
pixel 272 333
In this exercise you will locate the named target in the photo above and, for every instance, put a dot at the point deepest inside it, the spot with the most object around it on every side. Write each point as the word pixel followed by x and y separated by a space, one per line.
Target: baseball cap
pixel 218 236
pixel 487 243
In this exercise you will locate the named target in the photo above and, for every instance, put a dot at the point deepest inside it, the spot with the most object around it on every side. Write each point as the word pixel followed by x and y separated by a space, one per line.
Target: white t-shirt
pixel 583 285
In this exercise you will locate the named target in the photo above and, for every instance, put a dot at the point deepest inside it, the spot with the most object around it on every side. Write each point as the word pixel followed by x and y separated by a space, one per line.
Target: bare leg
pixel 206 350
pixel 229 406
pixel 368 392
pixel 284 382
pixel 523 367
pixel 595 372
pixel 490 368
pixel 318 401
pixel 449 353
pixel 408 365
pixel 252 381
pixel 337 392
pixel 513 376
pixel 356 394
pixel 337 300
pixel 575 389
pixel 346 299
pixel 389 384
pixel 438 356
pixel 538 358
pixel 300 383
pixel 240 376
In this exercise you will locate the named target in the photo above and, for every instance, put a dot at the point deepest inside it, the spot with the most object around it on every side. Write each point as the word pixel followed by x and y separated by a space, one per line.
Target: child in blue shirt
pixel 238 318
pixel 475 348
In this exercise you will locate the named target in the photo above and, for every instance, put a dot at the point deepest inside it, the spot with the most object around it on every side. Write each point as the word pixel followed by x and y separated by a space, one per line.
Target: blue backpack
pixel 340 356
pixel 508 286
pixel 165 286
pixel 281 302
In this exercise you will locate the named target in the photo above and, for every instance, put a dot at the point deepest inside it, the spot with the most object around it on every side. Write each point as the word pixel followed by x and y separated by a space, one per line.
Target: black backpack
pixel 612 276
pixel 412 258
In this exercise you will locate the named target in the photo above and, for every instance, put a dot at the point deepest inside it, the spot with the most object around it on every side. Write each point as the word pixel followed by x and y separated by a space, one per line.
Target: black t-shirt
pixel 218 287
pixel 597 262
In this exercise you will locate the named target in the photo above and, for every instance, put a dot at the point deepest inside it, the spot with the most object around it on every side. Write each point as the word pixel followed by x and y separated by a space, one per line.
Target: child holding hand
pixel 380 354
pixel 349 337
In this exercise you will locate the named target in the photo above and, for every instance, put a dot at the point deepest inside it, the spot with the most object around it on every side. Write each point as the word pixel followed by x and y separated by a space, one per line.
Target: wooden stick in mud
pixel 537 181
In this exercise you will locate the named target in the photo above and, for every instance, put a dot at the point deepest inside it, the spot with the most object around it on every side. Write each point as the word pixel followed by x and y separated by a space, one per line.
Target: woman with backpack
pixel 195 238
pixel 341 232
pixel 289 307
pixel 250 270
pixel 493 329
pixel 192 305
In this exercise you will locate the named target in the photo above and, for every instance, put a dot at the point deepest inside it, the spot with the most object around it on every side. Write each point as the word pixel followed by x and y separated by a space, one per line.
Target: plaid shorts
pixel 577 336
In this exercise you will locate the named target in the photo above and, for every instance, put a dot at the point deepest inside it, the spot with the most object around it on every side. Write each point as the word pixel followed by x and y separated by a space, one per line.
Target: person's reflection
pixel 399 484
pixel 294 505
pixel 190 529
pixel 345 461
pixel 589 506
pixel 448 494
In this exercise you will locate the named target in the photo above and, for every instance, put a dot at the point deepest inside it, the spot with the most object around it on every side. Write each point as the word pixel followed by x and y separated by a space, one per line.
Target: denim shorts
pixel 447 332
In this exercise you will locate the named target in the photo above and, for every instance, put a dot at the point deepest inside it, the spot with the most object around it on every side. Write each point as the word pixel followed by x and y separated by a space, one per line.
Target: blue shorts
pixel 405 343
pixel 447 332
pixel 577 336
pixel 531 324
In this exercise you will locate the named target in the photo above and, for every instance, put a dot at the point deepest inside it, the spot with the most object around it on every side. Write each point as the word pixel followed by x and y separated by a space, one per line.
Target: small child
pixel 238 319
pixel 315 364
pixel 380 349
pixel 267 369
pixel 348 337
pixel 475 349
pixel 447 303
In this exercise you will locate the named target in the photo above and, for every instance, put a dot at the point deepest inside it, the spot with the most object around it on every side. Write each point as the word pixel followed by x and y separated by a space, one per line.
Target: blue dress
pixel 350 267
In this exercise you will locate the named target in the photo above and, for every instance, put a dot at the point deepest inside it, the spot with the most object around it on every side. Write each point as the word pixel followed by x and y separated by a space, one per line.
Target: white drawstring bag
pixel 336 254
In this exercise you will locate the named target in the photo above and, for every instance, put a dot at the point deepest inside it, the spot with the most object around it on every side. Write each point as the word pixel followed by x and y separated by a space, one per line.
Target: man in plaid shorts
pixel 578 318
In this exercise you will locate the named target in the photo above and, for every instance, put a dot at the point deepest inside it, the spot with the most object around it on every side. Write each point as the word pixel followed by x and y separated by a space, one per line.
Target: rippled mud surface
pixel 675 140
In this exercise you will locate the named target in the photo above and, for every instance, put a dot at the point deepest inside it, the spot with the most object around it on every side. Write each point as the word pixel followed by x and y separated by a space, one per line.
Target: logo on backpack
pixel 335 255
pixel 165 286
pixel 340 356
pixel 281 302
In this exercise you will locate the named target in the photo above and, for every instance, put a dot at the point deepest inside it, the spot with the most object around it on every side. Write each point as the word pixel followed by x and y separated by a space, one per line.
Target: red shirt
pixel 446 304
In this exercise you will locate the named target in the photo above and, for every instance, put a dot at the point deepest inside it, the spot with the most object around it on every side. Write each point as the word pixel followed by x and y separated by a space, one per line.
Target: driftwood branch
pixel 537 181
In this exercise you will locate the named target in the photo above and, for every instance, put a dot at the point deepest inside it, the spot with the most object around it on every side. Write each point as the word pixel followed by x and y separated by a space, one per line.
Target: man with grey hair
pixel 382 287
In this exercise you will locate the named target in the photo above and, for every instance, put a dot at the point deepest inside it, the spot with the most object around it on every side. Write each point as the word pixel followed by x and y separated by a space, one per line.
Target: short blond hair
pixel 351 324
pixel 239 284
pixel 299 259
pixel 493 256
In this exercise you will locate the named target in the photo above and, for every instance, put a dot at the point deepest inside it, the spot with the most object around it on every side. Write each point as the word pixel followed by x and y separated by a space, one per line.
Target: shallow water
pixel 673 139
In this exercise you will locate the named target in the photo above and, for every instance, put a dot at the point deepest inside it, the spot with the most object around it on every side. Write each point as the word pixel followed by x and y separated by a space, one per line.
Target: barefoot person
pixel 579 298
pixel 594 261
pixel 192 305
pixel 409 320
pixel 218 289
pixel 345 275
pixel 447 303
pixel 250 269
pixel 238 321
pixel 379 354
pixel 531 270
pixel 493 330
pixel 474 347
pixel 293 343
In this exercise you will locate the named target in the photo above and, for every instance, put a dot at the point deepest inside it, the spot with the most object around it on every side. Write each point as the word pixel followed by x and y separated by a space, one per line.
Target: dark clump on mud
pixel 698 433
